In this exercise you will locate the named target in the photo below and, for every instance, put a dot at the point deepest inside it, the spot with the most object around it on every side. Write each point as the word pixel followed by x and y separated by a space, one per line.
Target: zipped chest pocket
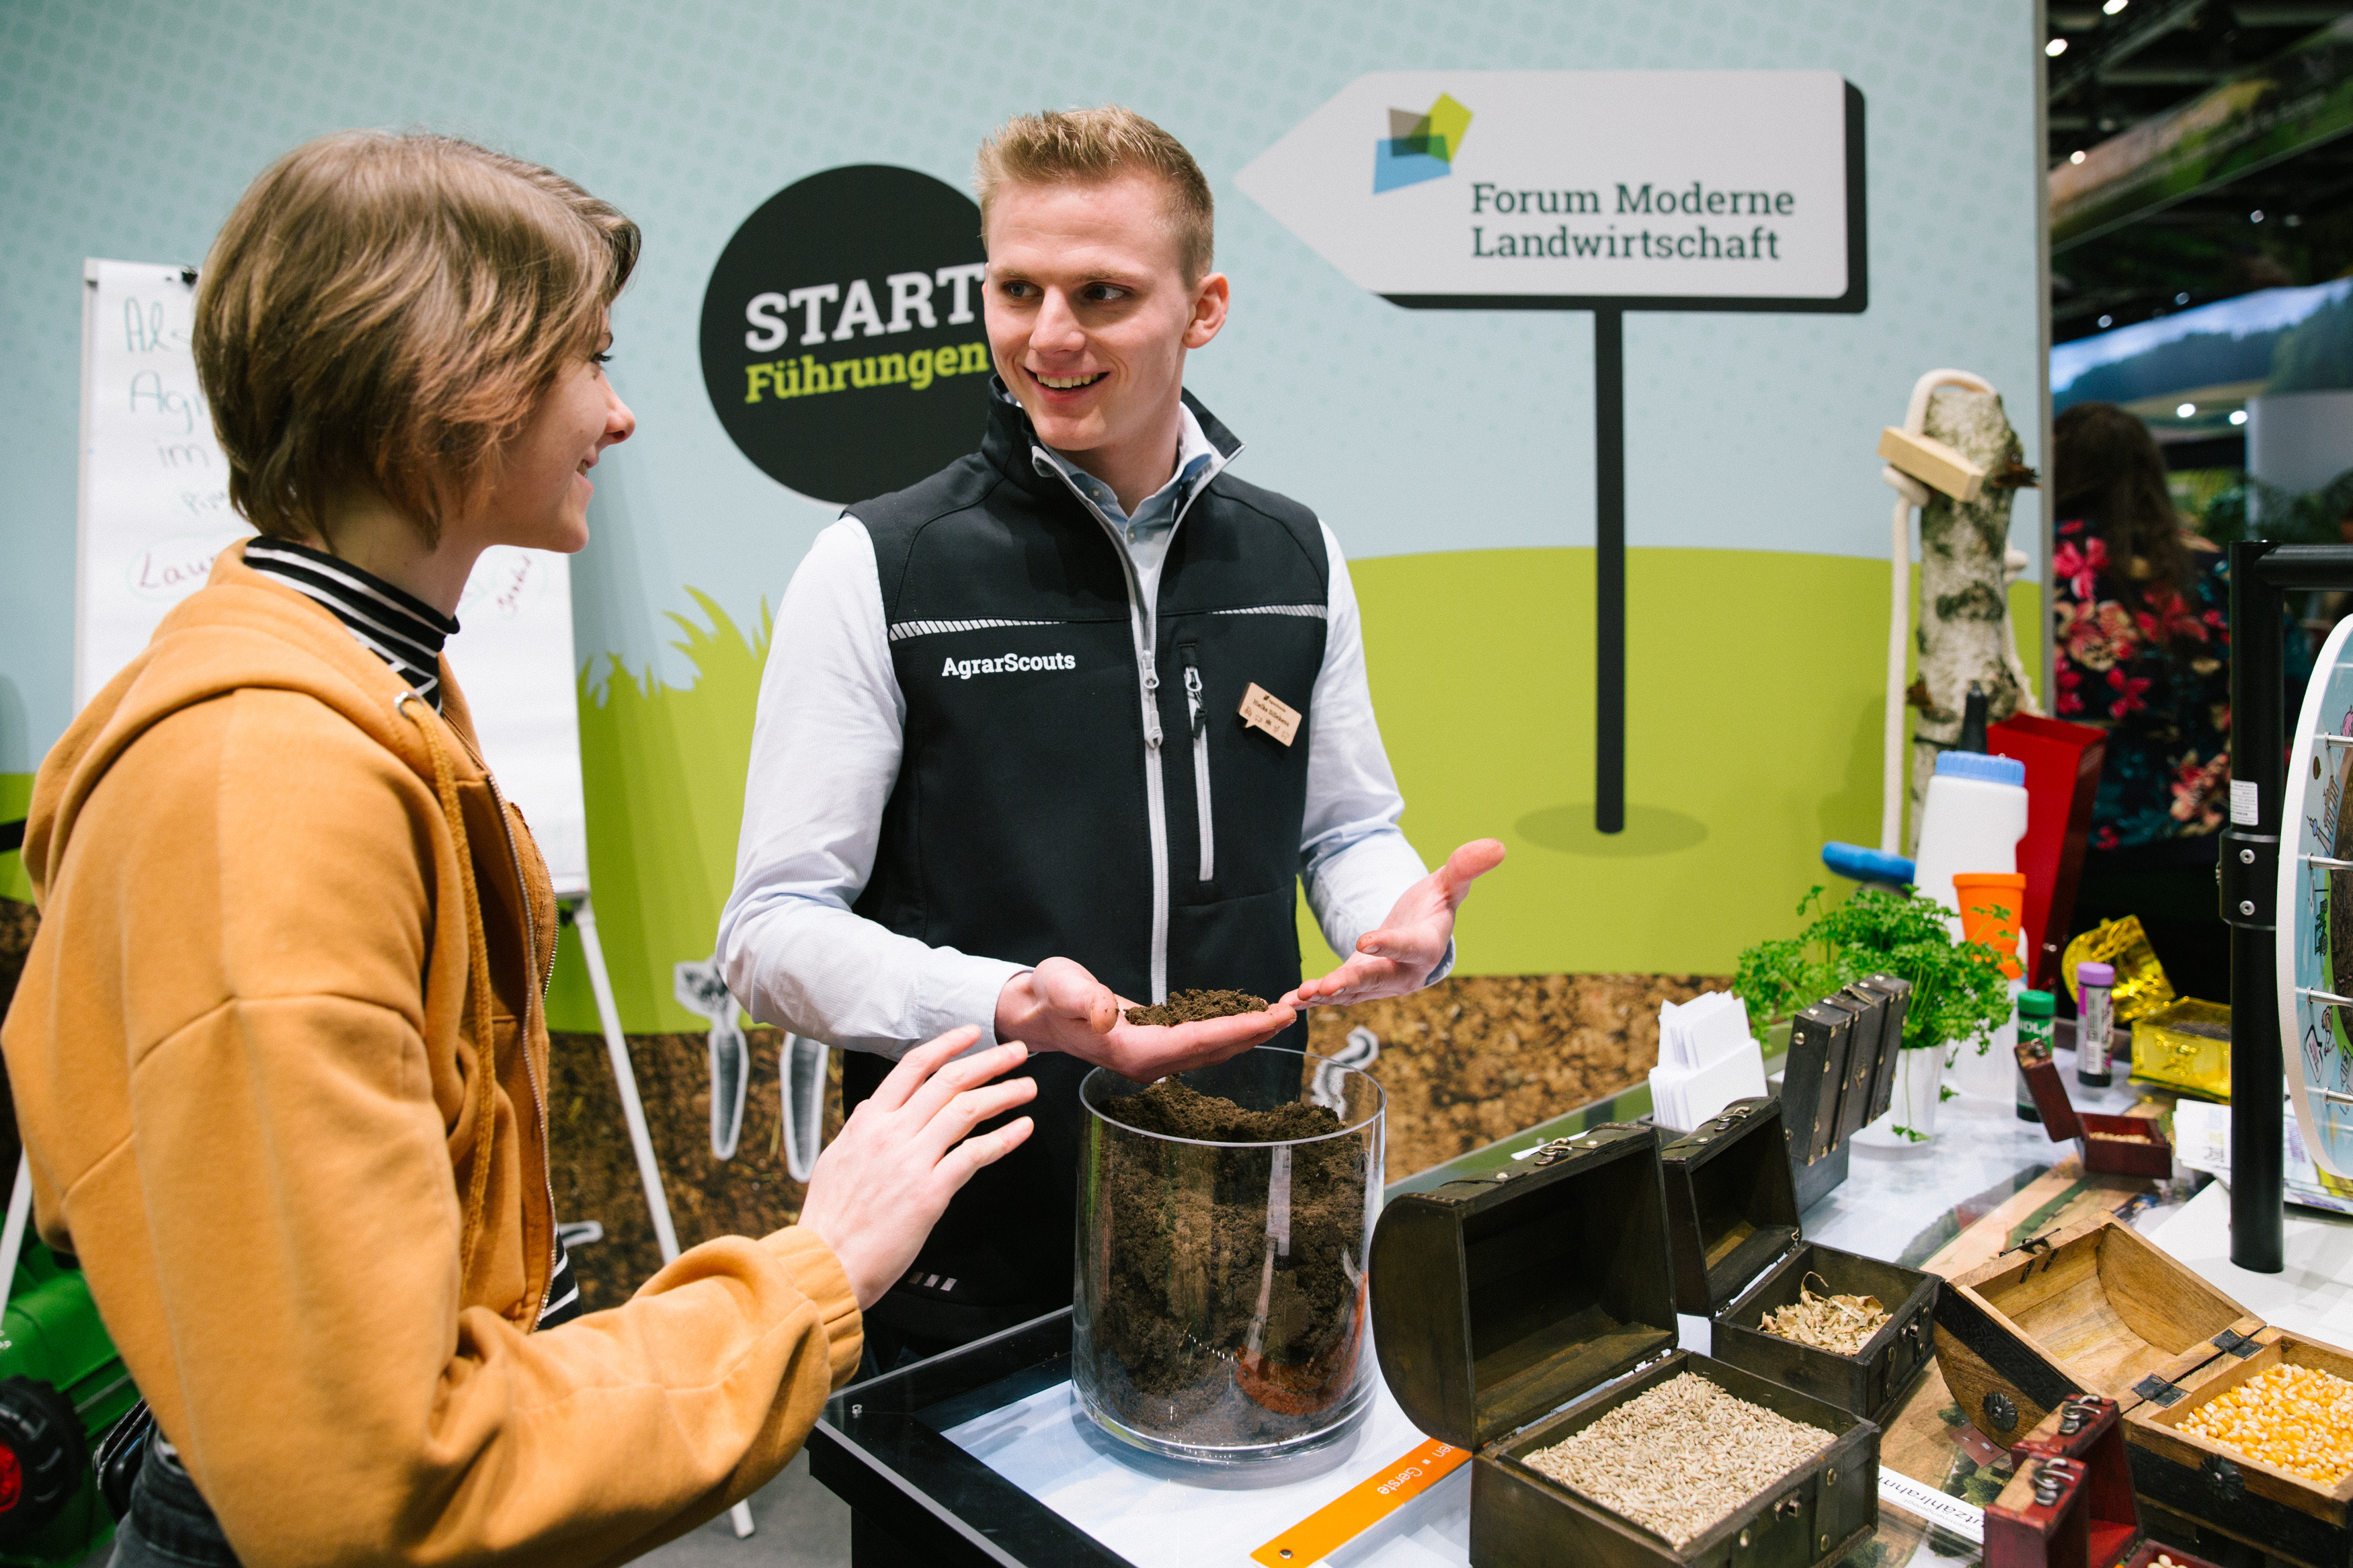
pixel 1196 713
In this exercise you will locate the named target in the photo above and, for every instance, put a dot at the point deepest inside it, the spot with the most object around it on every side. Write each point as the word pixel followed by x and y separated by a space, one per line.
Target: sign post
pixel 1600 191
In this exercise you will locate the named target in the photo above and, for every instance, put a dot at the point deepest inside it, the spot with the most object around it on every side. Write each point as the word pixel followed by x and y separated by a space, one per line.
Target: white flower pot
pixel 1919 1086
pixel 1989 1074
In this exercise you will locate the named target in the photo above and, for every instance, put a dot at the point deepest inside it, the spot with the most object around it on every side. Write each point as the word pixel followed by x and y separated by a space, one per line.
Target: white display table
pixel 1056 1489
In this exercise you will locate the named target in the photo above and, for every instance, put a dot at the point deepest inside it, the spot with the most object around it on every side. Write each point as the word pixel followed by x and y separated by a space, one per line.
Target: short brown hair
pixel 385 311
pixel 1087 146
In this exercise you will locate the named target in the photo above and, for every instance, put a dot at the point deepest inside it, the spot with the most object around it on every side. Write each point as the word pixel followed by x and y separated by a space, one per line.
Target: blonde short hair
pixel 1087 146
pixel 385 312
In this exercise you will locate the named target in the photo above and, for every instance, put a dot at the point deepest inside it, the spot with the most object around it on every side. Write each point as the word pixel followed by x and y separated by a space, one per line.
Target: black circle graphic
pixel 842 343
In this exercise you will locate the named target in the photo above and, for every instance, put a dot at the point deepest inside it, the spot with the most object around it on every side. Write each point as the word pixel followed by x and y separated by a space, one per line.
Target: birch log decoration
pixel 1965 633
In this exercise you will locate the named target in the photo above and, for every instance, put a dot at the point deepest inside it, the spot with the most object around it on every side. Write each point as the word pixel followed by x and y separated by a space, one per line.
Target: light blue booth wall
pixel 1451 452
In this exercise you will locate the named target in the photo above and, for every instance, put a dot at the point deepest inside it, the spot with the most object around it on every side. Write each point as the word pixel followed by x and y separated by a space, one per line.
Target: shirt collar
pixel 1195 455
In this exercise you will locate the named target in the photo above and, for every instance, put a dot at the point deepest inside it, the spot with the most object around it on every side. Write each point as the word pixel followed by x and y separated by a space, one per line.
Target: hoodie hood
pixel 241 630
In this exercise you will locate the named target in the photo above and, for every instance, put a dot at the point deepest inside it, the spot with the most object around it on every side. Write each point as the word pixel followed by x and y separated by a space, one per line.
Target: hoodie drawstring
pixel 477 967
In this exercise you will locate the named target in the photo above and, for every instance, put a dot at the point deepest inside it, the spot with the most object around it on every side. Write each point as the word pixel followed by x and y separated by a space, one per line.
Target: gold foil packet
pixel 2141 985
pixel 2185 1046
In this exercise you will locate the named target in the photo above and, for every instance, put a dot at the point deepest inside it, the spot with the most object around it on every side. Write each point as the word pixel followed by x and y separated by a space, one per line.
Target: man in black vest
pixel 1066 723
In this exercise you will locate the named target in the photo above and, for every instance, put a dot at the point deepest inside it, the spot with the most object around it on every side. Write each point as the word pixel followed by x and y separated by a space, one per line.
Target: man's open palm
pixel 1059 1006
pixel 1398 957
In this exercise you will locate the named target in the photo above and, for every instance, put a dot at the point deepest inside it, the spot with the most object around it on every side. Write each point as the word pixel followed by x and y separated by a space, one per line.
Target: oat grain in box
pixel 1502 1302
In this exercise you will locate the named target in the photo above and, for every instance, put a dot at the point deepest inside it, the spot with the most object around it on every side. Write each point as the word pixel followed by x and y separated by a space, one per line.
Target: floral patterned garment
pixel 2166 708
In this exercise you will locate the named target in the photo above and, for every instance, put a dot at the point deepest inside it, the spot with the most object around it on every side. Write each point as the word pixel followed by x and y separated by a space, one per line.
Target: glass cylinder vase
pixel 1220 1310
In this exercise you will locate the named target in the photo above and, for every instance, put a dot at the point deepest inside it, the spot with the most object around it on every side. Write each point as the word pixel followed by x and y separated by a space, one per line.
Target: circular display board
pixel 2315 912
pixel 842 343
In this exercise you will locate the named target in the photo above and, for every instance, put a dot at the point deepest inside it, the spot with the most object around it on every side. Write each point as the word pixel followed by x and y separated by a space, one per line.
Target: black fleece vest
pixel 1022 826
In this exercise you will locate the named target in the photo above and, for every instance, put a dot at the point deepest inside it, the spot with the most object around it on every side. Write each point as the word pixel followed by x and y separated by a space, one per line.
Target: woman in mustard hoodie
pixel 279 1050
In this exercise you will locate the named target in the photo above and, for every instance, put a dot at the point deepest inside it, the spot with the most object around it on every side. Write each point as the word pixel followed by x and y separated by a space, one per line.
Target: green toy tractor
pixel 62 1387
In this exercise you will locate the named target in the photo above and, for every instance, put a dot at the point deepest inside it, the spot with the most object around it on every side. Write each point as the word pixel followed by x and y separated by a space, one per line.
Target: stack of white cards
pixel 2202 1142
pixel 1707 1059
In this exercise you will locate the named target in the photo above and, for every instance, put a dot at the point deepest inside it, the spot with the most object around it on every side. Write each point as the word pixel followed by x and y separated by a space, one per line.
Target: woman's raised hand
pixel 881 1186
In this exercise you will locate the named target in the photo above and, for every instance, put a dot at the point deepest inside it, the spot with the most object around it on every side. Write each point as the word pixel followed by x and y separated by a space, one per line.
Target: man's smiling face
pixel 1090 315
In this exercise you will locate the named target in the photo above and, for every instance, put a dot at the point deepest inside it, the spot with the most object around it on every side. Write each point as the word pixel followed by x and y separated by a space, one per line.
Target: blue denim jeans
pixel 170 1525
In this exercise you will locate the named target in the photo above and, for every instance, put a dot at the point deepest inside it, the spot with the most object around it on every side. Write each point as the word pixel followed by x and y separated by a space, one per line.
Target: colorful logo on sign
pixel 1419 146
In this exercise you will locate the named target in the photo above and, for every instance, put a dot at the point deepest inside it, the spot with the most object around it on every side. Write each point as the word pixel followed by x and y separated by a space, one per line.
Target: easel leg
pixel 633 1111
pixel 625 1078
pixel 11 1237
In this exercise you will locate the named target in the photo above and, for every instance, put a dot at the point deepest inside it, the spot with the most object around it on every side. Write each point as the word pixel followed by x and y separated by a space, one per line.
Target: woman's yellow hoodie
pixel 279 896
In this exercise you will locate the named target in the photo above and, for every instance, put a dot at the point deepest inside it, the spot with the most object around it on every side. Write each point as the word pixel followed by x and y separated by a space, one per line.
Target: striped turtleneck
pixel 403 630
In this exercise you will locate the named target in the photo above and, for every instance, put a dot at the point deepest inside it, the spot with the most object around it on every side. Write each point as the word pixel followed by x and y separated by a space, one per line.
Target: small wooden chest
pixel 1501 1303
pixel 2095 1308
pixel 2111 1145
pixel 2091 1307
pixel 2071 1504
pixel 1898 992
pixel 1739 1251
pixel 1872 1015
pixel 2224 1489
pixel 1813 1075
pixel 1839 1077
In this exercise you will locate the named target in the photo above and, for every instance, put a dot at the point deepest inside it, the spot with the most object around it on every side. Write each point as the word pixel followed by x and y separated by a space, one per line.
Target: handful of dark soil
pixel 1195 1006
pixel 1173 1110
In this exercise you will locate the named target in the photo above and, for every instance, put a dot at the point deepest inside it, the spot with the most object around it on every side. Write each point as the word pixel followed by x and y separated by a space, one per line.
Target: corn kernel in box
pixel 2298 1418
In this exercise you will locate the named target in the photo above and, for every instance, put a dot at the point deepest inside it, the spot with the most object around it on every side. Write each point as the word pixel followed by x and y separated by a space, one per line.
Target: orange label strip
pixel 1360 1508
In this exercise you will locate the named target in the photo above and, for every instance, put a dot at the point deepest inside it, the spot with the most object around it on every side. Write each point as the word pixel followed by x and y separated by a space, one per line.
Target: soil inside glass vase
pixel 1234 1310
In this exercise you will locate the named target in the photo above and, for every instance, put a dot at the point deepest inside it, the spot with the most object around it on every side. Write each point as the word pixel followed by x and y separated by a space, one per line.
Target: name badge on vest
pixel 1262 710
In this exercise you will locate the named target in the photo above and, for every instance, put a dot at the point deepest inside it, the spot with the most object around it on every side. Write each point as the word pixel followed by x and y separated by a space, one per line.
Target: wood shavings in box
pixel 1843 1324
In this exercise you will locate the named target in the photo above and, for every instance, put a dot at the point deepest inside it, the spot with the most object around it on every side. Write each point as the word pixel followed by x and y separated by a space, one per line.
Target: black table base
pixel 917 1499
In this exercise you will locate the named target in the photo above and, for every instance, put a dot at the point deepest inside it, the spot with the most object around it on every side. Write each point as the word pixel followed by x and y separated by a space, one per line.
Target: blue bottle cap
pixel 1981 765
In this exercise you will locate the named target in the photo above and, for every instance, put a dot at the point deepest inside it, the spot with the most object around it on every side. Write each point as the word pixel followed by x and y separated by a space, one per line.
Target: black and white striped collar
pixel 403 630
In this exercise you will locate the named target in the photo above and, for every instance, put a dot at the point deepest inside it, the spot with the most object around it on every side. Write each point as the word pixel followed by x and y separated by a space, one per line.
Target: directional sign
pixel 1600 191
pixel 1648 189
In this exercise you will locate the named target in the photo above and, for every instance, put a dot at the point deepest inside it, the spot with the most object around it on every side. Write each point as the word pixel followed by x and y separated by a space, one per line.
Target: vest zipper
pixel 1144 630
pixel 1198 714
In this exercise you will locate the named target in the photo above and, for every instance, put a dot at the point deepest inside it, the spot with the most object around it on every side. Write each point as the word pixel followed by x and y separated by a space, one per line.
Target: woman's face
pixel 538 496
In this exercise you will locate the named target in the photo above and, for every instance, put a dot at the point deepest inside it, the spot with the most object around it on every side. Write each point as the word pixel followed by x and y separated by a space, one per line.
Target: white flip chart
pixel 155 511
